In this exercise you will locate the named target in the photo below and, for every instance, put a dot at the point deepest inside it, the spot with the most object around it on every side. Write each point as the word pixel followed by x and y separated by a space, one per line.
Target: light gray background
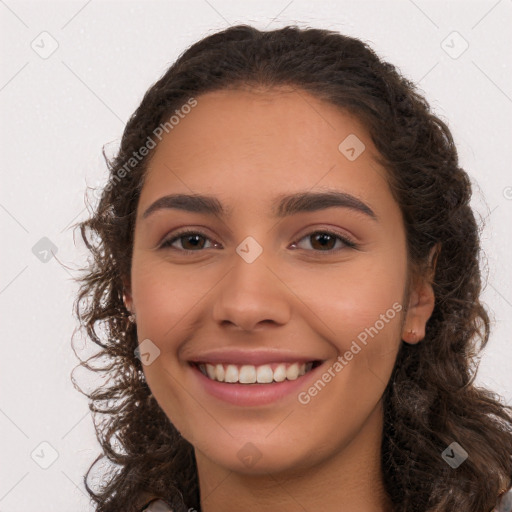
pixel 58 111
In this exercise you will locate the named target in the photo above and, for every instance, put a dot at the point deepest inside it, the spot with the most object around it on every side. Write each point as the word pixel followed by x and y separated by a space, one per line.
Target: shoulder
pixel 156 505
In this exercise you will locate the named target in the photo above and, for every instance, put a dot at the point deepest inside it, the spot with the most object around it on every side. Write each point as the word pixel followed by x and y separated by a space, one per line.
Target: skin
pixel 246 147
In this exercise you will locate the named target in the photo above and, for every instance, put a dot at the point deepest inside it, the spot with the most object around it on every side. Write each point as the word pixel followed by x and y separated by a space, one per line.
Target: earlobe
pixel 127 297
pixel 421 306
pixel 421 303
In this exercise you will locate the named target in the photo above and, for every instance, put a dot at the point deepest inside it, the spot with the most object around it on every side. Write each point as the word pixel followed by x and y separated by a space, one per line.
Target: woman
pixel 286 270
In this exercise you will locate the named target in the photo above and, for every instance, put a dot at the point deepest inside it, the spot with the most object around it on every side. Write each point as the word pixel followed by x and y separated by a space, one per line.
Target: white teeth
pixel 231 373
pixel 264 374
pixel 292 372
pixel 219 373
pixel 210 370
pixel 249 374
pixel 280 373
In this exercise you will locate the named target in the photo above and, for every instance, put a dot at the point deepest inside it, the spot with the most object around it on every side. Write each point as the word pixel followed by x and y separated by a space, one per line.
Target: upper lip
pixel 252 357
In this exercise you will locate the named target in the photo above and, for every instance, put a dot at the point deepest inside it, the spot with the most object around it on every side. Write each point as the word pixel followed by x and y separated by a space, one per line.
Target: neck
pixel 349 480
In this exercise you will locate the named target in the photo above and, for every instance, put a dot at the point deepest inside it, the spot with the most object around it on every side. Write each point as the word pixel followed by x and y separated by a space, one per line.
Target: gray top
pixel 505 504
pixel 159 505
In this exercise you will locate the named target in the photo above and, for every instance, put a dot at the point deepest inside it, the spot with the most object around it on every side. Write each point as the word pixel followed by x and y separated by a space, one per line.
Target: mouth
pixel 248 374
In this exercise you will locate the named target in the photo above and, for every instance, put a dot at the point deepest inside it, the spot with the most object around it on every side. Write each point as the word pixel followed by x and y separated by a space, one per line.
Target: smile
pixel 250 374
pixel 250 385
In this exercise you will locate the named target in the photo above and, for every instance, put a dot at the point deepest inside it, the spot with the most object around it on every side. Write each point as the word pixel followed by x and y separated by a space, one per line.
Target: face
pixel 255 279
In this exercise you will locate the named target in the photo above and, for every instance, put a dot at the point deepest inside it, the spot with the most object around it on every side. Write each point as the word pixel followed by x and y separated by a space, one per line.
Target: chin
pixel 258 456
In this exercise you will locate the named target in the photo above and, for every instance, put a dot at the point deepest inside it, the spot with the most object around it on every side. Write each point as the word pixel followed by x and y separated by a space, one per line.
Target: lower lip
pixel 254 394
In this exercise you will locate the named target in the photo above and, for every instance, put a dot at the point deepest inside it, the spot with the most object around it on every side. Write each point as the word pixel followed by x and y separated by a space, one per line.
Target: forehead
pixel 259 143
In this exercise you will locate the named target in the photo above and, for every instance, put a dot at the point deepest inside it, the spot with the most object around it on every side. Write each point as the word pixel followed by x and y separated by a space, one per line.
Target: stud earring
pixel 131 318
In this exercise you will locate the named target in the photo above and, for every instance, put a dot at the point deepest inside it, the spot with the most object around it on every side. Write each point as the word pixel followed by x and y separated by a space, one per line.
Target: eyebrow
pixel 282 206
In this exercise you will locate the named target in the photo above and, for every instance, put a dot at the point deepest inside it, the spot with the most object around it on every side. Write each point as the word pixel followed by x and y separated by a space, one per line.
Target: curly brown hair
pixel 430 400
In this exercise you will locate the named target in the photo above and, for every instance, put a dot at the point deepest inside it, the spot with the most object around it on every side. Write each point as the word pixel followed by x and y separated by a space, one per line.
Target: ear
pixel 421 303
pixel 127 296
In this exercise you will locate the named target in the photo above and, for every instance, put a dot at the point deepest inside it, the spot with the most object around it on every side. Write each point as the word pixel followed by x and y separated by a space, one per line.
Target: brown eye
pixel 190 241
pixel 320 241
pixel 325 241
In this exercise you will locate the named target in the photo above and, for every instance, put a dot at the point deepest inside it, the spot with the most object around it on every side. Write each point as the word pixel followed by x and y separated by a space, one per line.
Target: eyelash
pixel 166 244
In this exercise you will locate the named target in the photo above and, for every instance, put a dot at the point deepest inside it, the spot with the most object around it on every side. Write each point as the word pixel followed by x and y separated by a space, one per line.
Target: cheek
pixel 164 299
pixel 164 295
pixel 358 308
pixel 354 295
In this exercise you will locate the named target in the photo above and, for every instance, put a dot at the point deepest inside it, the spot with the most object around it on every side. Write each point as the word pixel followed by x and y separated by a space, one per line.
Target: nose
pixel 250 296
